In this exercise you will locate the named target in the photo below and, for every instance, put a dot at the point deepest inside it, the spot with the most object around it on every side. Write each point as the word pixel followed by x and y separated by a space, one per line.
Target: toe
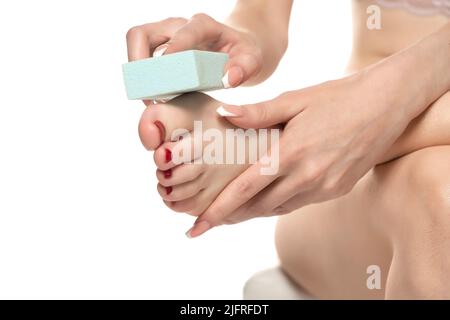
pixel 163 157
pixel 171 154
pixel 181 191
pixel 180 174
pixel 192 206
pixel 161 122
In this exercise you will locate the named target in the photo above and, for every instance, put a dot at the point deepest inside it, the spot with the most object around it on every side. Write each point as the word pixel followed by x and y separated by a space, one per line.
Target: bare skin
pixel 190 187
pixel 395 216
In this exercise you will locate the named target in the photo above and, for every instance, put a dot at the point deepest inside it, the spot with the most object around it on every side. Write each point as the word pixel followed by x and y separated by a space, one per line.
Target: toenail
pixel 162 129
pixel 168 155
pixel 168 173
pixel 169 190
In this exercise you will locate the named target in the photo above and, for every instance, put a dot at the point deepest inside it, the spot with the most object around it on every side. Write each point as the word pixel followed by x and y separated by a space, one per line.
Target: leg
pixel 420 231
pixel 397 217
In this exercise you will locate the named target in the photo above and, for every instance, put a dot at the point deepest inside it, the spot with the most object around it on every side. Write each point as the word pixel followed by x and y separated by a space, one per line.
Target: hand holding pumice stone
pixel 164 76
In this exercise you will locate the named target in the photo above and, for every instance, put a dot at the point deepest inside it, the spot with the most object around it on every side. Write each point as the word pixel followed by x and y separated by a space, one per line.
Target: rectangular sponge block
pixel 176 73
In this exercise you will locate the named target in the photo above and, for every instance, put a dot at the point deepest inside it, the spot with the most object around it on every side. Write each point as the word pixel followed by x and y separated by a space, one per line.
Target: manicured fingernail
pixel 233 77
pixel 169 190
pixel 198 229
pixel 168 174
pixel 226 80
pixel 161 128
pixel 231 112
pixel 168 155
pixel 160 51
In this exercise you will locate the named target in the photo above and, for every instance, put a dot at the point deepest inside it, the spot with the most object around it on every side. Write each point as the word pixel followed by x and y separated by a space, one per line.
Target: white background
pixel 79 213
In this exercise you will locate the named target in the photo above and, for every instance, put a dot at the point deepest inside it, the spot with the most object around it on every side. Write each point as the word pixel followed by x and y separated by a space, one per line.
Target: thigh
pixel 326 248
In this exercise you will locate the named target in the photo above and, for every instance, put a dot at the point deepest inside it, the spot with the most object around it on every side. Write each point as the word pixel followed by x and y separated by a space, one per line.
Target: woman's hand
pixel 200 32
pixel 335 133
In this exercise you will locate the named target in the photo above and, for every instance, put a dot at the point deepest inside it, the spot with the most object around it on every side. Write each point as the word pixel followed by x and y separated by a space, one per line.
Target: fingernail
pixel 198 229
pixel 231 112
pixel 170 97
pixel 233 77
pixel 188 233
pixel 226 80
pixel 166 99
pixel 161 128
pixel 168 173
pixel 168 155
pixel 169 190
pixel 160 51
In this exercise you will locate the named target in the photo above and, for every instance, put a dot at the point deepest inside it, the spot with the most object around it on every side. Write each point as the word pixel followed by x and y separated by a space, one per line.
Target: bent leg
pixel 397 214
pixel 420 233
pixel 397 218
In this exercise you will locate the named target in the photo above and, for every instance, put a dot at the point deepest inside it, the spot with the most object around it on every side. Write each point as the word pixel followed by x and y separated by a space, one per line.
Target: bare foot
pixel 207 168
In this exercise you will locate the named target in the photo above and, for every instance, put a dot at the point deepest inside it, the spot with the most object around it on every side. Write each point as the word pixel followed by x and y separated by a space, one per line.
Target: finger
pixel 238 192
pixel 200 29
pixel 298 201
pixel 264 114
pixel 269 201
pixel 239 69
pixel 204 33
pixel 141 40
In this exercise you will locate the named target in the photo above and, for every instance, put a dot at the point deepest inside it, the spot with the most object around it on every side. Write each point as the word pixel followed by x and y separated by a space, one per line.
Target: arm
pixel 268 22
pixel 418 75
pixel 335 132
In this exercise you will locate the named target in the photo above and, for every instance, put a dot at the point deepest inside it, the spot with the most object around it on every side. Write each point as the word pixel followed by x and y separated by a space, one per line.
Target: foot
pixel 192 185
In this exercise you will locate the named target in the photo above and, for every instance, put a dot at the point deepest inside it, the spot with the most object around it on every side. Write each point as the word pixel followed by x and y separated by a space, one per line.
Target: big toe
pixel 161 122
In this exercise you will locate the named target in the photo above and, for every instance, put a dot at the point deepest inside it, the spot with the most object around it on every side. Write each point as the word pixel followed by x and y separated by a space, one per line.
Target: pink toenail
pixel 169 190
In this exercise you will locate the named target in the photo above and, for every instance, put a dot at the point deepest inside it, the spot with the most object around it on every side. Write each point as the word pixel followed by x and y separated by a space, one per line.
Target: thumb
pixel 264 114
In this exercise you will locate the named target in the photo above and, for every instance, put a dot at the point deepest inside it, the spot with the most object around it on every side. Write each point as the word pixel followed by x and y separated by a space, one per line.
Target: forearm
pixel 267 21
pixel 417 76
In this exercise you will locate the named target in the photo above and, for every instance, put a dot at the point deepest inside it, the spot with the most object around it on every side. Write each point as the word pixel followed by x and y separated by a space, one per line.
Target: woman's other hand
pixel 335 133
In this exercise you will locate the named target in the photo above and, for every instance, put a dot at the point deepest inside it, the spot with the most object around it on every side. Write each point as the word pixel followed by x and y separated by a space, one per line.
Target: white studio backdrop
pixel 80 216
